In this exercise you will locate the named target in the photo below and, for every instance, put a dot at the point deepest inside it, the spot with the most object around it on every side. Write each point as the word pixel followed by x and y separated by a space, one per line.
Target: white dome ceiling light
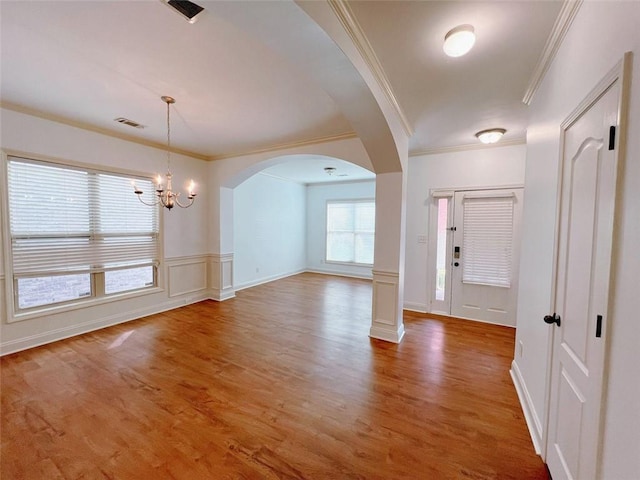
pixel 459 40
pixel 491 136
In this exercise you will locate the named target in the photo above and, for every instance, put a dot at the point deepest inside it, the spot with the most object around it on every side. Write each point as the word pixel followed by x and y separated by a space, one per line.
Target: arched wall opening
pixel 280 216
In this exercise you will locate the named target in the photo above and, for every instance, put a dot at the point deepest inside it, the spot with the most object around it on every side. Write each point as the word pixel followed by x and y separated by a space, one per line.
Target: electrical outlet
pixel 422 239
pixel 257 270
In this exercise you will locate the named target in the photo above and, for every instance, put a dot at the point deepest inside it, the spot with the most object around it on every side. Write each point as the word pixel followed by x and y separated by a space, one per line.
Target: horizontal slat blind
pixel 488 238
pixel 351 231
pixel 68 220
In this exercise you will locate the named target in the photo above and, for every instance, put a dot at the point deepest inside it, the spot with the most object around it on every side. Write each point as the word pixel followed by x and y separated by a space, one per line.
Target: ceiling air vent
pixel 188 10
pixel 126 121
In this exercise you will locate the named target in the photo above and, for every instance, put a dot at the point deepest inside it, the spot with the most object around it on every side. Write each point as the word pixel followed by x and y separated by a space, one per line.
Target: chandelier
pixel 166 196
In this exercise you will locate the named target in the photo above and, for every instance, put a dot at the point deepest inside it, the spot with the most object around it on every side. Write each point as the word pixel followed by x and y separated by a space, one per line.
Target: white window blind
pixel 350 231
pixel 488 240
pixel 72 220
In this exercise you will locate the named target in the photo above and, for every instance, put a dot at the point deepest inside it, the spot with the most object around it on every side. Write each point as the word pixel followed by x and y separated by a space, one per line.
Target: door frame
pixel 620 72
pixel 432 228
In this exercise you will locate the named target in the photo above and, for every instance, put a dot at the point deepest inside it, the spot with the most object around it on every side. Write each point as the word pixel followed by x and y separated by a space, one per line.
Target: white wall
pixel 317 197
pixel 597 40
pixel 184 273
pixel 486 167
pixel 269 224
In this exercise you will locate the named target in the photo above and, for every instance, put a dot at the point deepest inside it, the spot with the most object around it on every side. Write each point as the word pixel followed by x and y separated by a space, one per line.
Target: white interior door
pixel 486 244
pixel 582 287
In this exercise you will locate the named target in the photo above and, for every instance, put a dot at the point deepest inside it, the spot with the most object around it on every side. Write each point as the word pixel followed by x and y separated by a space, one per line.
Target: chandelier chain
pixel 168 138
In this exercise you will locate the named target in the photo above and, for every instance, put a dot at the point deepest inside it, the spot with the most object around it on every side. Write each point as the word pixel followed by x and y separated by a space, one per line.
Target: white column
pixel 221 276
pixel 221 262
pixel 388 268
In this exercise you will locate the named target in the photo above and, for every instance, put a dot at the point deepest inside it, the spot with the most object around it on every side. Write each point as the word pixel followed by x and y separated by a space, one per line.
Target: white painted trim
pixel 393 336
pixel 284 146
pixel 470 146
pixel 38 339
pixel 556 36
pixel 92 128
pixel 354 30
pixel 533 422
pixel 220 286
pixel 272 278
pixel 338 274
pixel 221 256
pixel 386 273
pixel 186 260
pixel 222 295
pixel 416 307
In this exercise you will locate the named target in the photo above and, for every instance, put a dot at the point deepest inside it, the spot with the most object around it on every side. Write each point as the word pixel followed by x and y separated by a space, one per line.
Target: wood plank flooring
pixel 281 382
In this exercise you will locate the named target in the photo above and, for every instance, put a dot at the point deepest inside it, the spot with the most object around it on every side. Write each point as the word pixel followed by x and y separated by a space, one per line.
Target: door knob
pixel 551 319
pixel 456 264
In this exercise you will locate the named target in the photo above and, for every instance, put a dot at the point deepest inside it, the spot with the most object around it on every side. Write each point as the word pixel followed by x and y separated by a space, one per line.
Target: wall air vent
pixel 126 121
pixel 188 10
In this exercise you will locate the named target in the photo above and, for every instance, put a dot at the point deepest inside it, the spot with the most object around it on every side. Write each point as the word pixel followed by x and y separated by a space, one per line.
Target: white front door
pixel 588 184
pixel 484 263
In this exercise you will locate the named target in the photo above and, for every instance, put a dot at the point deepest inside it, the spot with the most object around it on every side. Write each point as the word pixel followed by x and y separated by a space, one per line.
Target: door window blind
pixel 487 241
pixel 71 220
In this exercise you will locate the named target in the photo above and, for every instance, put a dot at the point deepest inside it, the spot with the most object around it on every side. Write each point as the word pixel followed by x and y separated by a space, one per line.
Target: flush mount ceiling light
pixel 491 136
pixel 459 40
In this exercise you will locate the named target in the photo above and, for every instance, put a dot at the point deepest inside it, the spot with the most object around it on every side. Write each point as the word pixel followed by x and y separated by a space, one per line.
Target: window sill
pixel 79 304
pixel 349 264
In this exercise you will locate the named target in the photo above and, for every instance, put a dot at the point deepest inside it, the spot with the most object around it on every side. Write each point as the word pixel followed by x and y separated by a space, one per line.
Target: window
pixel 350 231
pixel 442 245
pixel 76 234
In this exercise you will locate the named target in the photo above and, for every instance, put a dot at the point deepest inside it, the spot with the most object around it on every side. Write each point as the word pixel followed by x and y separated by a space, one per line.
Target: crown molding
pixel 359 39
pixel 556 36
pixel 92 128
pixel 285 146
pixel 470 146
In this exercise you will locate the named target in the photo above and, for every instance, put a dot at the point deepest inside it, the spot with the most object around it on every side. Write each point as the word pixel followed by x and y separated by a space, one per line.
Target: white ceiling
pixel 88 62
pixel 309 169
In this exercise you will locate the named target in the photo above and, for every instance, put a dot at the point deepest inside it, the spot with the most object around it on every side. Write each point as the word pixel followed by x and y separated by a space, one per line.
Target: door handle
pixel 551 319
pixel 456 264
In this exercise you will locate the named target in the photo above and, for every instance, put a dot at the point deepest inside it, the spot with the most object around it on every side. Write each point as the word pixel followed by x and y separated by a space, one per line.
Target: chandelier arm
pixel 177 202
pixel 148 204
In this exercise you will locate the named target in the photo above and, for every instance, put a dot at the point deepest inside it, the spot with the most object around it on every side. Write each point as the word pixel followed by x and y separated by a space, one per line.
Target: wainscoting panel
pixel 221 277
pixel 186 275
pixel 386 322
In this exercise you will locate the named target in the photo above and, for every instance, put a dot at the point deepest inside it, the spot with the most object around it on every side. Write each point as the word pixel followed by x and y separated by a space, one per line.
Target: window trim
pixel 13 314
pixel 326 232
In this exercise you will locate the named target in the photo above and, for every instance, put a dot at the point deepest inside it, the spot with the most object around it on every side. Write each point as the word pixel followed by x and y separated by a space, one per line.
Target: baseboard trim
pixel 415 307
pixel 533 422
pixel 51 336
pixel 337 274
pixel 272 278
pixel 388 335
pixel 222 296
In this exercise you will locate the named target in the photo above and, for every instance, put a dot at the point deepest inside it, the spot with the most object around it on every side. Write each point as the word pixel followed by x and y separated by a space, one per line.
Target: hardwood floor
pixel 281 382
